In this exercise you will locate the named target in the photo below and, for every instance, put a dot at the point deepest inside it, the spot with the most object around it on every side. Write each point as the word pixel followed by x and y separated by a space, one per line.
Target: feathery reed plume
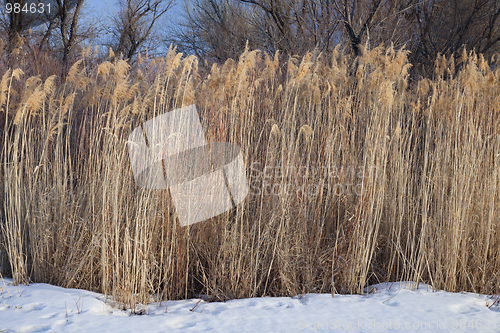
pixel 356 176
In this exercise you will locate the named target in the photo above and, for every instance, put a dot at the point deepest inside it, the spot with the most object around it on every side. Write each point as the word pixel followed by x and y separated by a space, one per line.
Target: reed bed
pixel 356 176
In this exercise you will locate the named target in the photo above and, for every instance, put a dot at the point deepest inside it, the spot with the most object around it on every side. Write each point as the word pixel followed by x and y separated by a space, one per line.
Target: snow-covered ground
pixel 42 307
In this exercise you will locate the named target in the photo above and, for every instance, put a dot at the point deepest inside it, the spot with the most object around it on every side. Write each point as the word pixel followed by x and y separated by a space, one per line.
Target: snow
pixel 393 306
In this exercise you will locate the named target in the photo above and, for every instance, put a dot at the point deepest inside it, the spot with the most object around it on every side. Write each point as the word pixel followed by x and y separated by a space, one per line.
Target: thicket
pixel 356 176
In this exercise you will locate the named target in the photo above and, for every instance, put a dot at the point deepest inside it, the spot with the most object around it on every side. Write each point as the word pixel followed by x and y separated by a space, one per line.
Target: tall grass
pixel 356 177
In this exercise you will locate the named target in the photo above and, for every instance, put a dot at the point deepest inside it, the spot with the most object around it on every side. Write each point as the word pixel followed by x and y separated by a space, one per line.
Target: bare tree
pixel 445 27
pixel 216 29
pixel 16 25
pixel 69 20
pixel 53 25
pixel 133 25
pixel 290 26
pixel 294 26
pixel 17 19
pixel 221 28
pixel 352 12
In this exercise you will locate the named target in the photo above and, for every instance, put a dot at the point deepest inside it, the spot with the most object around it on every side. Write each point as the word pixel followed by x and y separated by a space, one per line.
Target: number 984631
pixel 32 8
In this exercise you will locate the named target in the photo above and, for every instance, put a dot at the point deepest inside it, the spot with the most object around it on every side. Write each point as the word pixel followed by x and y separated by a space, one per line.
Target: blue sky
pixel 99 8
pixel 103 8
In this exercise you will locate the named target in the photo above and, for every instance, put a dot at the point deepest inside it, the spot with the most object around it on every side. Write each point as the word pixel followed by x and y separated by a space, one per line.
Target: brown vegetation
pixel 72 215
